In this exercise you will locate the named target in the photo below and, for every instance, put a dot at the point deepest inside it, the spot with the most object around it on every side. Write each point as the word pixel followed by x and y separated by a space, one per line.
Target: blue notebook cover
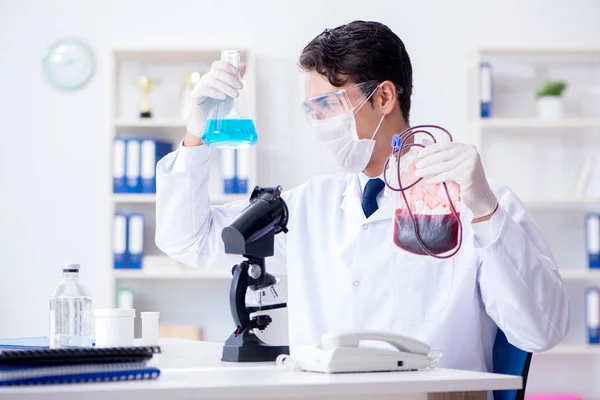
pixel 88 373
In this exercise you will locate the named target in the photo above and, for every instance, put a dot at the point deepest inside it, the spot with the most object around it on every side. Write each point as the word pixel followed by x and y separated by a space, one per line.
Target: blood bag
pixel 228 123
pixel 426 218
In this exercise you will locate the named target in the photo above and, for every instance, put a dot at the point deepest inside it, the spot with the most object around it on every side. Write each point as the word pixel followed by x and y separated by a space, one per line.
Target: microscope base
pixel 245 349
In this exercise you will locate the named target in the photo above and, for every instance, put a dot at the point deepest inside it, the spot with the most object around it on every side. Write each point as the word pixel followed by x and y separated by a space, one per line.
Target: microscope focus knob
pixel 260 322
pixel 254 271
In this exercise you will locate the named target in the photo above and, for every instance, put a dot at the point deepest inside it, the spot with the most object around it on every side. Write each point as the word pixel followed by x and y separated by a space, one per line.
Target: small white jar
pixel 150 328
pixel 114 327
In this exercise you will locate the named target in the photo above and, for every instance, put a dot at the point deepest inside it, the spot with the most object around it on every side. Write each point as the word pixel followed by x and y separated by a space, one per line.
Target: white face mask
pixel 340 136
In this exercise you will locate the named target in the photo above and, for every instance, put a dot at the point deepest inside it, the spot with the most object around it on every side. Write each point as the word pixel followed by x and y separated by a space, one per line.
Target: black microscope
pixel 252 235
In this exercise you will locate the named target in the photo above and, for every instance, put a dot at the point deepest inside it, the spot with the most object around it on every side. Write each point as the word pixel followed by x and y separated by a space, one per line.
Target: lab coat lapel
pixel 385 209
pixel 351 201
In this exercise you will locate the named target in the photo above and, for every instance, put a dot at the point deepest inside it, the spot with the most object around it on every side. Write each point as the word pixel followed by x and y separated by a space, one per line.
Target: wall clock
pixel 69 64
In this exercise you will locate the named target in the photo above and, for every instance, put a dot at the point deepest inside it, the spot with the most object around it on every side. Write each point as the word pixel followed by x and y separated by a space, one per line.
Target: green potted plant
pixel 549 100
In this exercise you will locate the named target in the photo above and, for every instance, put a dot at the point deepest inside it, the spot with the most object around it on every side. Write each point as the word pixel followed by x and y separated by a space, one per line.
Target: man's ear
pixel 386 96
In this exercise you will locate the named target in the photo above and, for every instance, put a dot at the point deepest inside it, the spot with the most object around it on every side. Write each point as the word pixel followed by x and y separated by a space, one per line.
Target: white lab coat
pixel 345 273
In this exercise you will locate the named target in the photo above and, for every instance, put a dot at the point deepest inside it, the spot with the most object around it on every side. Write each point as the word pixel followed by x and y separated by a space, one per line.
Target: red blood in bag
pixel 439 233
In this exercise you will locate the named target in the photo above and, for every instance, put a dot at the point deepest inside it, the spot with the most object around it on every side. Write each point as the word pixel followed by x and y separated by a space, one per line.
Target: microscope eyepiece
pixel 251 232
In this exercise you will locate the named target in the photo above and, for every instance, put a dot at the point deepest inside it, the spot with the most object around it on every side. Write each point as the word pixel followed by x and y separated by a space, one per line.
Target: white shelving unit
pixel 562 203
pixel 572 350
pixel 542 160
pixel 127 198
pixel 142 123
pixel 580 274
pixel 532 123
pixel 516 75
pixel 168 67
pixel 172 273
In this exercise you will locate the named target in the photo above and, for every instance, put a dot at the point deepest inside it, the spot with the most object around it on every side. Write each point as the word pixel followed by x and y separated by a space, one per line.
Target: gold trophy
pixel 145 84
pixel 189 81
pixel 192 79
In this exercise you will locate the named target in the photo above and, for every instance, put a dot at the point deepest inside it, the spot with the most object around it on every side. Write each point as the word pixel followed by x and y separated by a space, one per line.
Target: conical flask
pixel 229 123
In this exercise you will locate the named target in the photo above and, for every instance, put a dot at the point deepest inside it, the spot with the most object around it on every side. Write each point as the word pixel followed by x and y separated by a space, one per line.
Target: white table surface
pixel 193 370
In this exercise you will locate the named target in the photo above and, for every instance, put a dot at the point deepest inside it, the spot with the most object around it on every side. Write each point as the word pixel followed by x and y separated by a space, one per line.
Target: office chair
pixel 510 360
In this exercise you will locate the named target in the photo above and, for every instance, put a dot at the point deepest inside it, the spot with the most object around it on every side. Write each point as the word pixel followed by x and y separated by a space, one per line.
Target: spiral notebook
pixel 76 365
pixel 82 373
pixel 69 356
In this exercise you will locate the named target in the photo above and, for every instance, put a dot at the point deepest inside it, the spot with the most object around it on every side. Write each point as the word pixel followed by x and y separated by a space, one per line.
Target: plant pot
pixel 550 108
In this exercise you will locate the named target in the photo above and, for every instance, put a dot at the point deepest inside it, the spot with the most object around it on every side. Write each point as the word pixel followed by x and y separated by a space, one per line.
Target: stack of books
pixel 26 366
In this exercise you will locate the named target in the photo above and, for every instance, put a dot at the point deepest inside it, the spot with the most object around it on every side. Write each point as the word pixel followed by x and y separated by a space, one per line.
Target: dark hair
pixel 359 52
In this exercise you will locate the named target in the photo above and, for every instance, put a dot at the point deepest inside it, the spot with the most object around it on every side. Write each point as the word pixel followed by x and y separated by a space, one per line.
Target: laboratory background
pixel 519 79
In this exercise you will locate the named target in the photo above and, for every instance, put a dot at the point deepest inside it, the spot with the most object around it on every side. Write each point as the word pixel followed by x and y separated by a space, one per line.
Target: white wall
pixel 54 203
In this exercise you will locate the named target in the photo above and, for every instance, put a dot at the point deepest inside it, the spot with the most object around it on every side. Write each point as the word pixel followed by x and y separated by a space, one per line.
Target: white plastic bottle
pixel 71 312
pixel 150 328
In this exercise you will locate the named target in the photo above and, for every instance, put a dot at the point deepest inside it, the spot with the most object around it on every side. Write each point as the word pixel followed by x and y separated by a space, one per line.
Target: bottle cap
pixel 70 267
pixel 153 314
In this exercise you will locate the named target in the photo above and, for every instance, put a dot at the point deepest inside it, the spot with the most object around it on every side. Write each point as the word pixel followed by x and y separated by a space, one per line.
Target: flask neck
pixel 232 57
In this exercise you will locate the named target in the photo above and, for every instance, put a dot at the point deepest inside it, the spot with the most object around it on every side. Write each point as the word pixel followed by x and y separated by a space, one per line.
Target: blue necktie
pixel 369 200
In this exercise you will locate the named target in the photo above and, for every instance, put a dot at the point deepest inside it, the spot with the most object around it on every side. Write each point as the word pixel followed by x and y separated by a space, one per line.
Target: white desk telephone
pixel 340 352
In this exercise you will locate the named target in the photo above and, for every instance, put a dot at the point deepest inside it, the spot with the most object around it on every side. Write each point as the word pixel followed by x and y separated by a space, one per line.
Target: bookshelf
pixel 168 68
pixel 542 161
pixel 558 147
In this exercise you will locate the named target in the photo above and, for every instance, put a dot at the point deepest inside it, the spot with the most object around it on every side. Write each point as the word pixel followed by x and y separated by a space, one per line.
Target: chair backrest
pixel 510 360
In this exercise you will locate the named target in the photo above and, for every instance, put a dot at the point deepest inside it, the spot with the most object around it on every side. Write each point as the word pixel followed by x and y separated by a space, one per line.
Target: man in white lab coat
pixel 344 272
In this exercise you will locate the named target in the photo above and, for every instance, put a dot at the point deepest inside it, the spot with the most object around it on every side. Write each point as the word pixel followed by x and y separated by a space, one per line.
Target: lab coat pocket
pixel 423 286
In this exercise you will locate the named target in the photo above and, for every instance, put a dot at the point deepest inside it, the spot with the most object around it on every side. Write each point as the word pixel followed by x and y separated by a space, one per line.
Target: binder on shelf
pixel 592 314
pixel 119 184
pixel 152 151
pixel 592 239
pixel 228 171
pixel 135 240
pixel 120 241
pixel 485 90
pixel 132 166
pixel 234 169
pixel 242 167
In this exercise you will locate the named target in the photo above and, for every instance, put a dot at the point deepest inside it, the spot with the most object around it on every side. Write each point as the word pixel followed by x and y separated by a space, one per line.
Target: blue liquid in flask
pixel 229 133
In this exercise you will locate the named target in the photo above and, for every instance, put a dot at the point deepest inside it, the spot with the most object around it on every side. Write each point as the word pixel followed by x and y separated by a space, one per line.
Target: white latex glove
pixel 460 163
pixel 223 81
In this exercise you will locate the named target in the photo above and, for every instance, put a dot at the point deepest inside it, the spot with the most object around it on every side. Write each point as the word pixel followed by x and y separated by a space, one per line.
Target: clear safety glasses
pixel 335 104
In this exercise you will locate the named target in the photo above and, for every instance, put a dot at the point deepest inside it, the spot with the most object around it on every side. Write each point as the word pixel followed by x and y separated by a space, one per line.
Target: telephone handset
pixel 353 339
pixel 341 352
